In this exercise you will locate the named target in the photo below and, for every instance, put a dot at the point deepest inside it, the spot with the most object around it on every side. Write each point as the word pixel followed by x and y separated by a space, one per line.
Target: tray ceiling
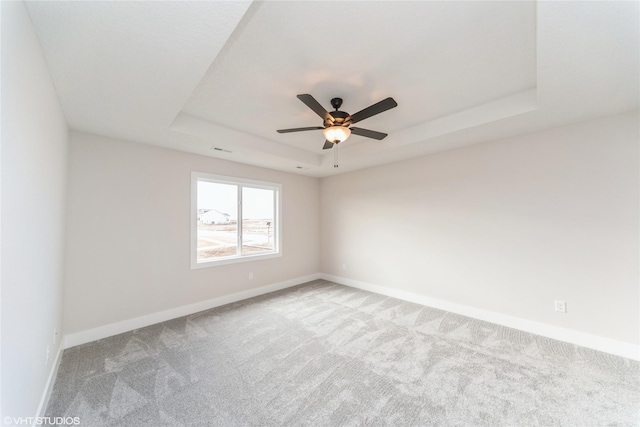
pixel 197 75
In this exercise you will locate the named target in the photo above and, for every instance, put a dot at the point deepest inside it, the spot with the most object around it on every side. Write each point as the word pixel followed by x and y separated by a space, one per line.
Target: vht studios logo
pixel 41 421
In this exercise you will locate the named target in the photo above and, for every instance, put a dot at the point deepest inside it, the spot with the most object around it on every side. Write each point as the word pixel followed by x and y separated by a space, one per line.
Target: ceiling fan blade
pixel 327 145
pixel 377 108
pixel 299 129
pixel 311 102
pixel 368 133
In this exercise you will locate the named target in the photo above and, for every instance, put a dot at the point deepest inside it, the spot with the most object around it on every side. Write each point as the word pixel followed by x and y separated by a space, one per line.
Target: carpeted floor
pixel 323 354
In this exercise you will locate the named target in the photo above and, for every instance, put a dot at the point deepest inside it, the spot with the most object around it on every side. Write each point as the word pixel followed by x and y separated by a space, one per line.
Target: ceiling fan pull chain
pixel 335 155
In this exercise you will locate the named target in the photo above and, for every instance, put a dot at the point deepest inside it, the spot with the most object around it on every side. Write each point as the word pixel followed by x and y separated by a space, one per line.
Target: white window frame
pixel 240 182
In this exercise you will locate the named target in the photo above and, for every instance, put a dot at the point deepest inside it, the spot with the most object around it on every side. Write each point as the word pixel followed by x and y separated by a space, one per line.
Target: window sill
pixel 233 260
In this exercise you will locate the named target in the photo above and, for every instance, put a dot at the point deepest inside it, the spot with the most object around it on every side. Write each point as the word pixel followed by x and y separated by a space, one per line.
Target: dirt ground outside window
pixel 220 240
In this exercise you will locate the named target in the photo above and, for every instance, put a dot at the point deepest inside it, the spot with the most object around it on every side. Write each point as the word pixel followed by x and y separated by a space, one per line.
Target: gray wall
pixel 507 226
pixel 33 183
pixel 128 241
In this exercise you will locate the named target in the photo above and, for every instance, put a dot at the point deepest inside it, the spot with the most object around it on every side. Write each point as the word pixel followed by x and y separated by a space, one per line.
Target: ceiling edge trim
pixel 217 135
pixel 512 105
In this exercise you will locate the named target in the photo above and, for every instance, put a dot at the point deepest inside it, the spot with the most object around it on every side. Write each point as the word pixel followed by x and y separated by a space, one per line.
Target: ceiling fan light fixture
pixel 336 134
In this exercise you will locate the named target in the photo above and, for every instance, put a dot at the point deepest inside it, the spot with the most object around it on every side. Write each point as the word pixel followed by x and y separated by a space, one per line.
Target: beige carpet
pixel 327 355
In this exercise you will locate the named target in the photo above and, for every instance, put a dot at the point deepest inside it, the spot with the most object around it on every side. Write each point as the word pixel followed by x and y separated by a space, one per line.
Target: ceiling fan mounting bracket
pixel 336 103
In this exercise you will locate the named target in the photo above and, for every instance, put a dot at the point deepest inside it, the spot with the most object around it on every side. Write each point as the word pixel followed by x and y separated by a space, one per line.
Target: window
pixel 233 220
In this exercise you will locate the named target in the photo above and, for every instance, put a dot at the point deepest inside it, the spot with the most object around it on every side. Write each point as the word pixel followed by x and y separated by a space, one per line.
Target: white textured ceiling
pixel 197 75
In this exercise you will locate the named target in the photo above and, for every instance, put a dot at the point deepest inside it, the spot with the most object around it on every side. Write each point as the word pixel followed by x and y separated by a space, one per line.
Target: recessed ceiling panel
pixel 434 58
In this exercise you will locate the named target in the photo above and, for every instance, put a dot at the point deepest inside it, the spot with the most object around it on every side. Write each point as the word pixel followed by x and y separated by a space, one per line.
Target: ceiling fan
pixel 336 125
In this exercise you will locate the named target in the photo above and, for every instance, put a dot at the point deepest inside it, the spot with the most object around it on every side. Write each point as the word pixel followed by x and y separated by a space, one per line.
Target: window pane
pixel 258 225
pixel 220 204
pixel 217 220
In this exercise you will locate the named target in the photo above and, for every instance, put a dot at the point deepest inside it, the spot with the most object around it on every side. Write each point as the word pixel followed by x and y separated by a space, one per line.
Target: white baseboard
pixel 595 342
pixel 44 400
pixel 82 337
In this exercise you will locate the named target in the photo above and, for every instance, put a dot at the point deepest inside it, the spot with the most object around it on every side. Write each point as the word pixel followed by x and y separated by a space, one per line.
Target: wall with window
pixel 506 226
pixel 129 232
pixel 33 177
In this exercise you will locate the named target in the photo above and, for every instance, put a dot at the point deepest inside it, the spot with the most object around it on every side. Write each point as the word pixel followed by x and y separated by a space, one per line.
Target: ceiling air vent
pixel 221 149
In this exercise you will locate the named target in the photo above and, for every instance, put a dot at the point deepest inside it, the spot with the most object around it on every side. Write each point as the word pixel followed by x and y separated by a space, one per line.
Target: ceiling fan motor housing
pixel 339 119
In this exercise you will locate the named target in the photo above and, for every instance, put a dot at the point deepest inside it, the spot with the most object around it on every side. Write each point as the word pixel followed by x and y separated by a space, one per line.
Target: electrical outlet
pixel 344 266
pixel 250 276
pixel 47 359
pixel 561 306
